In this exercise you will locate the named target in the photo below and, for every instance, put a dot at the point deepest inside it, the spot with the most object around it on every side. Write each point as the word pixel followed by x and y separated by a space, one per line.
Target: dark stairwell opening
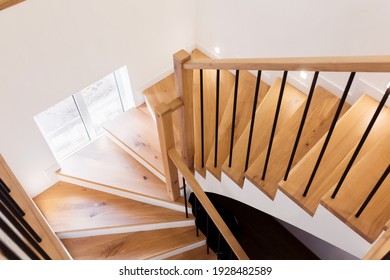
pixel 261 236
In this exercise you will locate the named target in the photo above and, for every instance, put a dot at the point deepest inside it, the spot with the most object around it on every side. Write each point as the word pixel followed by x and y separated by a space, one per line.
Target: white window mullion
pixel 85 116
pixel 124 88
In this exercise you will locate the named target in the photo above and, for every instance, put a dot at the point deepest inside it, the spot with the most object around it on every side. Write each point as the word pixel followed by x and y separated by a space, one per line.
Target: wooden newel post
pixel 184 85
pixel 167 141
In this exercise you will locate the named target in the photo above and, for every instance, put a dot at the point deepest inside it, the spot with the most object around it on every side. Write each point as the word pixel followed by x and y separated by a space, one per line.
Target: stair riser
pixel 125 194
pixel 323 224
pixel 179 251
pixel 124 229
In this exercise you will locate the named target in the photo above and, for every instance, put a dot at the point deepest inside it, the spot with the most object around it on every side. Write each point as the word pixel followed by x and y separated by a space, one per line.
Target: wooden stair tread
pixel 137 131
pixel 292 100
pixel 246 91
pixel 380 130
pixel 322 109
pixel 358 184
pixel 164 91
pixel 380 248
pixel 69 207
pixel 104 163
pixel 131 246
pixel 209 94
pixel 199 253
pixel 347 133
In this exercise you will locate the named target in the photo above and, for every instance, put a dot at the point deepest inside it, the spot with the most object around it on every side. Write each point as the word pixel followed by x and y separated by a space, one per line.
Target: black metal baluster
pixel 10 202
pixel 207 234
pixel 216 119
pixel 373 191
pixel 256 97
pixel 18 241
pixel 234 117
pixel 201 116
pixel 7 252
pixel 13 208
pixel 330 132
pixel 196 216
pixel 302 124
pixel 185 197
pixel 271 140
pixel 361 142
pixel 4 186
pixel 22 231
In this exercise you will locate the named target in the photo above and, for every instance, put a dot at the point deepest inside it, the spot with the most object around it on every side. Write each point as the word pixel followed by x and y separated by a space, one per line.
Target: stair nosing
pixel 180 250
pixel 125 229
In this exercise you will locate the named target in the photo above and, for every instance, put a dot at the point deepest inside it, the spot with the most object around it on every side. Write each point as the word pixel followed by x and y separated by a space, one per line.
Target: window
pixel 79 119
pixel 103 101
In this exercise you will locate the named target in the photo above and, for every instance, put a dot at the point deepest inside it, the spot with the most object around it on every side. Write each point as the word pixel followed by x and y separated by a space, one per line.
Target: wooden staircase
pixel 97 225
pixel 270 166
pixel 112 201
pixel 262 129
pixel 153 244
pixel 129 165
pixel 319 117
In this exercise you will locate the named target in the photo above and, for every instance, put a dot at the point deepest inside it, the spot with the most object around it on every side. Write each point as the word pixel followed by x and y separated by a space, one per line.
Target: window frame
pixel 124 91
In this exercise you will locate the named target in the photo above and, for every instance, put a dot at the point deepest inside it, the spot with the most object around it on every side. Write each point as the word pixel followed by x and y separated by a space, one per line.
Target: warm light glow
pixel 217 50
pixel 303 75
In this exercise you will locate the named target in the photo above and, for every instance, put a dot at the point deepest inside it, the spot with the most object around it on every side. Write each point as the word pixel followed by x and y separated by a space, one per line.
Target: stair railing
pixel 183 75
pixel 173 163
pixel 184 66
pixel 26 233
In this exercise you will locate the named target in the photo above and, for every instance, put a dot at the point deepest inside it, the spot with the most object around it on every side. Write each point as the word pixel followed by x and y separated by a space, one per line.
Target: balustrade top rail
pixel 208 206
pixel 323 64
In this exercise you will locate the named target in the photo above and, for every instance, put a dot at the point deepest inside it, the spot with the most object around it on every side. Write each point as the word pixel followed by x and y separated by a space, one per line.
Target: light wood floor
pixel 104 163
pixel 131 246
pixel 70 207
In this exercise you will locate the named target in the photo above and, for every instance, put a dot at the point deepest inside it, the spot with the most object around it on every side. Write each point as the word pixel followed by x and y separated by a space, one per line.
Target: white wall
pixel 300 28
pixel 51 49
pixel 282 28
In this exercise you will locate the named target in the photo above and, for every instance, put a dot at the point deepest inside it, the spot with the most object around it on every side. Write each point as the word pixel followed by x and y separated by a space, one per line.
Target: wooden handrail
pixel 173 163
pixel 207 205
pixel 323 64
pixel 4 4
